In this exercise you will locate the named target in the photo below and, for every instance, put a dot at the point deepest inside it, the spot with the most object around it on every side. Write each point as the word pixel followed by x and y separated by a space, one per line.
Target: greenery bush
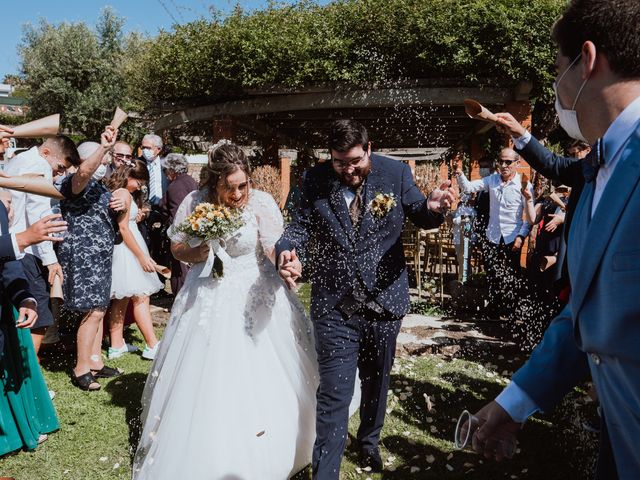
pixel 352 41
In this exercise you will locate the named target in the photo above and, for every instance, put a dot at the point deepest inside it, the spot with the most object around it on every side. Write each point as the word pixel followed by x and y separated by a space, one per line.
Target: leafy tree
pixel 77 71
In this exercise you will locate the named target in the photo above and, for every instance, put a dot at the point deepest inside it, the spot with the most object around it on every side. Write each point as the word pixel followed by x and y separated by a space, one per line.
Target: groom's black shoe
pixel 371 458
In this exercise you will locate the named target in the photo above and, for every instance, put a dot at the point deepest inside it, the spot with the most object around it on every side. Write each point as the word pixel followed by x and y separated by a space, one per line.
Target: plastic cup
pixel 468 425
pixel 56 210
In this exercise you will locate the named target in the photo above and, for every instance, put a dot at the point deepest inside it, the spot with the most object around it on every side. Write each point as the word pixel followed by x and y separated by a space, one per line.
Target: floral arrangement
pixel 210 222
pixel 382 204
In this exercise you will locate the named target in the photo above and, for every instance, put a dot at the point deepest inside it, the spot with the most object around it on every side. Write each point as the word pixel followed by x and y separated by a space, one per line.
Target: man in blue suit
pixel 351 216
pixel 598 67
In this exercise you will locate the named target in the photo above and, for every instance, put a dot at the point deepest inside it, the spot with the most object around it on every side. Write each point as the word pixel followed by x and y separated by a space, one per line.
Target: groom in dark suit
pixel 350 220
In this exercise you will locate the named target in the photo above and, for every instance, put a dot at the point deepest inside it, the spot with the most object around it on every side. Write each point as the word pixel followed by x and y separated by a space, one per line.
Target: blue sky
pixel 146 16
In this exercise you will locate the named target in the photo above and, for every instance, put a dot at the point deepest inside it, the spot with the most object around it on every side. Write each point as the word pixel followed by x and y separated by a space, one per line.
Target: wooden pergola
pixel 417 120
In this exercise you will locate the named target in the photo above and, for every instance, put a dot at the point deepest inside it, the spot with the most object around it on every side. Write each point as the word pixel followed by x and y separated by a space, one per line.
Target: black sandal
pixel 84 382
pixel 107 372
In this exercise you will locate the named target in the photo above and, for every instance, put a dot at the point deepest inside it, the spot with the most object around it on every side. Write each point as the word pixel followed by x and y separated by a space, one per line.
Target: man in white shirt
pixel 506 230
pixel 40 263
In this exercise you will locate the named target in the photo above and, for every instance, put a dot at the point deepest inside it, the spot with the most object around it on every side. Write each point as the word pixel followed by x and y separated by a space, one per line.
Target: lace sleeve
pixel 270 222
pixel 184 210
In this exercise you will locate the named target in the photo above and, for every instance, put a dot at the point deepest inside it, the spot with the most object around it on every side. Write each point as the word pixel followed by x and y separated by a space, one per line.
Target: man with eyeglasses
pixel 506 230
pixel 351 217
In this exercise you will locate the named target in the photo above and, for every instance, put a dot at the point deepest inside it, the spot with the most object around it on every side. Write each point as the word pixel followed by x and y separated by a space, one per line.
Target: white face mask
pixel 148 155
pixel 569 118
pixel 100 172
pixel 485 172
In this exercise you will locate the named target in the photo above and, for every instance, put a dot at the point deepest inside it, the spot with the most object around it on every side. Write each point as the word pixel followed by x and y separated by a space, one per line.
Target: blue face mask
pixel 148 155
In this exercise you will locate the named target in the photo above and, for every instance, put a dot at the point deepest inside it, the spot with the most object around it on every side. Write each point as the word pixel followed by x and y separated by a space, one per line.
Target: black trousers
pixel 503 275
pixel 366 341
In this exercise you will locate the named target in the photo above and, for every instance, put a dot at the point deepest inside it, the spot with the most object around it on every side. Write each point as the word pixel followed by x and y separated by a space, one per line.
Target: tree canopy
pixel 354 42
pixel 84 72
pixel 78 71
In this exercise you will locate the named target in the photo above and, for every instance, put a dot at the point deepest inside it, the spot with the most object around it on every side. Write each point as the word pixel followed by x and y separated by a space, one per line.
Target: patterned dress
pixel 87 251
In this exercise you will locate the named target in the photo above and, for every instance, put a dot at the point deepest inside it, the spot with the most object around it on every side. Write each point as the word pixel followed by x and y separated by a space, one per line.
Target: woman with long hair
pixel 231 392
pixel 133 271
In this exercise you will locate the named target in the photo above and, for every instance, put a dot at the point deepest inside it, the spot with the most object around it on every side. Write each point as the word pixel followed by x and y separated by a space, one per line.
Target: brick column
pixel 521 110
pixel 285 179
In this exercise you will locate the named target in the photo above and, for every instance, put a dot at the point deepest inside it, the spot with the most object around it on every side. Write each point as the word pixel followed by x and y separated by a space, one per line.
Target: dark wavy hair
pixel 121 176
pixel 223 161
pixel 612 25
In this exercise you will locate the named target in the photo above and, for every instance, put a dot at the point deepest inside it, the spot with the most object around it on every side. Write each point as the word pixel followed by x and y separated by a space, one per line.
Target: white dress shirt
pixel 506 205
pixel 27 207
pixel 513 399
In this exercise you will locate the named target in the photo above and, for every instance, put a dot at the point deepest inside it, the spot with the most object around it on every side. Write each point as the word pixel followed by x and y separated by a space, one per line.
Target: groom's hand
pixel 289 267
pixel 442 198
pixel 497 428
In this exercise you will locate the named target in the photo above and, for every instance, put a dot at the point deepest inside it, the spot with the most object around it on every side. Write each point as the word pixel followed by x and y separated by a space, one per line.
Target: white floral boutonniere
pixel 382 204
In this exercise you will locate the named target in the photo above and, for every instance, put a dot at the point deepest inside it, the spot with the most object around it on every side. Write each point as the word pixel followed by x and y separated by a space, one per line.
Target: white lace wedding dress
pixel 231 393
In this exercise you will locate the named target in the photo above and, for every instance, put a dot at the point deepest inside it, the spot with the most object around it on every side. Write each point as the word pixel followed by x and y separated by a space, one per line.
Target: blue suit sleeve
pixel 415 204
pixel 566 170
pixel 14 283
pixel 7 253
pixel 296 233
pixel 555 366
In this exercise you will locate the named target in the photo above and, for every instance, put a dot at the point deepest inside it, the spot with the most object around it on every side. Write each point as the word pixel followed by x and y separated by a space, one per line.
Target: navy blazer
pixel 337 254
pixel 599 330
pixel 567 171
pixel 15 287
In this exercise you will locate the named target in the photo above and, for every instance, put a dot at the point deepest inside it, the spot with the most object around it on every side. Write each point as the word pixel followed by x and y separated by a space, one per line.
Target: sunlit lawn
pixel 99 430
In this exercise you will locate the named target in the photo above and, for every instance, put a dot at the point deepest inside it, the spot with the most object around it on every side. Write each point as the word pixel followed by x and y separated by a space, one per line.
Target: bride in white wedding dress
pixel 231 393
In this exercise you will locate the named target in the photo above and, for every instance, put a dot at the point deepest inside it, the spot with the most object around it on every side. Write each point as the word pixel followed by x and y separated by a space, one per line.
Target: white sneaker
pixel 118 352
pixel 150 353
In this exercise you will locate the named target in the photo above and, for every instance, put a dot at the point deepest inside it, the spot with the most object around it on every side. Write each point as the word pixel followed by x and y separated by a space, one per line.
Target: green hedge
pixel 353 41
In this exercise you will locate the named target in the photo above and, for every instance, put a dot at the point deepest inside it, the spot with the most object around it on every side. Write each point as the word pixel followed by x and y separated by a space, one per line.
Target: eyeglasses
pixel 123 156
pixel 505 162
pixel 349 163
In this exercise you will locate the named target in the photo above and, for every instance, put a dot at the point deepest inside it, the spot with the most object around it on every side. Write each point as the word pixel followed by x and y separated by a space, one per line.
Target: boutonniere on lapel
pixel 382 204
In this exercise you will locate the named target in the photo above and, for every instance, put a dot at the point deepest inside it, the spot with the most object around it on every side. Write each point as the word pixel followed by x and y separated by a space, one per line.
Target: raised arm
pixel 424 212
pixel 88 167
pixel 566 170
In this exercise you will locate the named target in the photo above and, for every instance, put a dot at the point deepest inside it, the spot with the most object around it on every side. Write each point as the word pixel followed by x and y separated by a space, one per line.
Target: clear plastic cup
pixel 56 210
pixel 468 425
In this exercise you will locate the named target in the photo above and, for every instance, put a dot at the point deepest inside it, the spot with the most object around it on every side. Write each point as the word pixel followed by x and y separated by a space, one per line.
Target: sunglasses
pixel 505 162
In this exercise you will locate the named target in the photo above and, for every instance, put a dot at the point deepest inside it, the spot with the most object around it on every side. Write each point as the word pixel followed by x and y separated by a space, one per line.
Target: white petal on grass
pixel 430 458
pixel 104 459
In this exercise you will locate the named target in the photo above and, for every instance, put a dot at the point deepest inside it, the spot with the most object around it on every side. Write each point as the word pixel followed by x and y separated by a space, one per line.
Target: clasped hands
pixel 289 268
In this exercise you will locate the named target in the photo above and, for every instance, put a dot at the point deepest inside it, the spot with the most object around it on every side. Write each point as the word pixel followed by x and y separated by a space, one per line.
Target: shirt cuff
pixel 16 251
pixel 516 403
pixel 47 258
pixel 522 141
pixel 29 299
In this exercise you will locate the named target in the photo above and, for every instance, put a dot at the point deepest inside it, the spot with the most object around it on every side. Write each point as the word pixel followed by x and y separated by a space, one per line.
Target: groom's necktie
pixel 355 209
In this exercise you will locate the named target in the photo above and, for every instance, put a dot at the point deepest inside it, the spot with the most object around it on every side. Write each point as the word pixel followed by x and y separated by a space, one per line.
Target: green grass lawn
pixel 99 430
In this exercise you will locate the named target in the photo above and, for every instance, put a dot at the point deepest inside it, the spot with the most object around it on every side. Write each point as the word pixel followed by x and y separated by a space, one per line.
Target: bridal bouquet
pixel 209 223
